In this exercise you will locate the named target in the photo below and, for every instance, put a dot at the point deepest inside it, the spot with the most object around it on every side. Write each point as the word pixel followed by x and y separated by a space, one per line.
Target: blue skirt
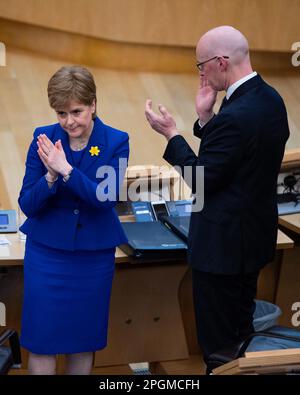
pixel 66 299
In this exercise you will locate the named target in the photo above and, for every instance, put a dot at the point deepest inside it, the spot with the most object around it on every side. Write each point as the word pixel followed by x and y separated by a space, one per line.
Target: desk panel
pixel 289 281
pixel 151 314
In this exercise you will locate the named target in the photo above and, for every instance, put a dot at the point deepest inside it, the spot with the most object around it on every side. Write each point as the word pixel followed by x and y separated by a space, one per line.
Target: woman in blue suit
pixel 73 172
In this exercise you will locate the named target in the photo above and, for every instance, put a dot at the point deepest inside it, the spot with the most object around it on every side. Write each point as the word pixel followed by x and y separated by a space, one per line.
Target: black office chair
pixel 283 338
pixel 10 356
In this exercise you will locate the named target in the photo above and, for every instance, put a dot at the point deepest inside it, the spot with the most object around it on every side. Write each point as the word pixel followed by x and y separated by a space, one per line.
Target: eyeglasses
pixel 200 65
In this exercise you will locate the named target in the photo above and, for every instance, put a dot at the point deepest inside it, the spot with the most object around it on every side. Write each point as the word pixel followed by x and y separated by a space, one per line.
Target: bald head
pixel 224 41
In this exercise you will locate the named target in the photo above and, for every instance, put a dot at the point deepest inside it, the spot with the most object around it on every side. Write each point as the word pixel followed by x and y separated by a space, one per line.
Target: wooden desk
pixel 289 282
pixel 291 222
pixel 16 250
pixel 145 316
pixel 283 241
pixel 13 255
pixel 151 312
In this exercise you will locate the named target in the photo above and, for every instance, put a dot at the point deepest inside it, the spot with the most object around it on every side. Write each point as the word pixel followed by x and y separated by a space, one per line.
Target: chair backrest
pixel 275 338
pixel 9 355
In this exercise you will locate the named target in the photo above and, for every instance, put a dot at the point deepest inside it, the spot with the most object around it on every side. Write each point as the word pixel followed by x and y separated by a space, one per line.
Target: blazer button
pixel 76 211
pixel 79 226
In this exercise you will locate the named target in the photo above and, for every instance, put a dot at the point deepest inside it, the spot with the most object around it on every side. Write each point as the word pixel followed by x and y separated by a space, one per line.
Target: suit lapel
pixel 245 87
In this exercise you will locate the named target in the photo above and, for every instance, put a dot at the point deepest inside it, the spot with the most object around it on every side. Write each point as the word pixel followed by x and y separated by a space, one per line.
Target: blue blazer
pixel 69 215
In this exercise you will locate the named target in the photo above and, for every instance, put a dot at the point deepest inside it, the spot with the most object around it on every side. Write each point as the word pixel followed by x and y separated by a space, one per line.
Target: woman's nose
pixel 70 119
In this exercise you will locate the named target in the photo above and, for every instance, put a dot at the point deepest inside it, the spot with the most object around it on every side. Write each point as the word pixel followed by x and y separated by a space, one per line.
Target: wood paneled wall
pixel 121 100
pixel 80 49
pixel 270 25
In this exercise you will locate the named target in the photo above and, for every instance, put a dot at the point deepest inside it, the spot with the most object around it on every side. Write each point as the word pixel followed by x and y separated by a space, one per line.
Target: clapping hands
pixel 162 123
pixel 205 100
pixel 52 156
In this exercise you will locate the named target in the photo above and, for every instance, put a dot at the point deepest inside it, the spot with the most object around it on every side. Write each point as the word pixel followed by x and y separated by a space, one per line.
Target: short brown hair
pixel 71 83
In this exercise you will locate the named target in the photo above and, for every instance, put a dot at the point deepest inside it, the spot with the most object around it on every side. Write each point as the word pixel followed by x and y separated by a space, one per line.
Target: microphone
pixel 289 182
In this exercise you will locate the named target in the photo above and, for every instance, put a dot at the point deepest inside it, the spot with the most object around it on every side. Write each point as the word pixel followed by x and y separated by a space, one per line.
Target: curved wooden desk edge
pixel 291 159
pixel 14 253
pixel 291 222
pixel 283 241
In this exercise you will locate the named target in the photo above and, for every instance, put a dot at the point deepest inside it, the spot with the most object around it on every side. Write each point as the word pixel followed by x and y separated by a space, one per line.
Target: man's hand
pixel 164 123
pixel 53 156
pixel 205 100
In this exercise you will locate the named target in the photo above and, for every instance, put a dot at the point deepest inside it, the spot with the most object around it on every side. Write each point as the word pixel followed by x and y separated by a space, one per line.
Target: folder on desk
pixel 179 225
pixel 152 241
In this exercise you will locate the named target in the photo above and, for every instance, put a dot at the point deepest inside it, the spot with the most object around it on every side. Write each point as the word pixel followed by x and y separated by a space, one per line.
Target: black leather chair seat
pixel 6 359
pixel 282 338
pixel 9 355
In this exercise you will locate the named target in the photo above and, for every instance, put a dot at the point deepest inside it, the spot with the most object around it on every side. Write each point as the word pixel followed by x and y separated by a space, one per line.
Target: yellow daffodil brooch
pixel 94 151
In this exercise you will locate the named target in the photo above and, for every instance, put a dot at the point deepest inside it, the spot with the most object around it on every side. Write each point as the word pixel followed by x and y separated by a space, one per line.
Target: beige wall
pixel 268 24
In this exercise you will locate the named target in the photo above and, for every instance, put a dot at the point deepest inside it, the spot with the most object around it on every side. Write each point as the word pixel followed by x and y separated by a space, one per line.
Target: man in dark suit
pixel 242 146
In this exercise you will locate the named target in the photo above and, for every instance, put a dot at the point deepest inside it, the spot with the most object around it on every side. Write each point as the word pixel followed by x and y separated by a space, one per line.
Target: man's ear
pixel 222 63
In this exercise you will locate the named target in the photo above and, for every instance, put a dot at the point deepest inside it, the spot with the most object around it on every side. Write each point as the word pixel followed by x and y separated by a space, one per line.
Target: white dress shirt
pixel 238 83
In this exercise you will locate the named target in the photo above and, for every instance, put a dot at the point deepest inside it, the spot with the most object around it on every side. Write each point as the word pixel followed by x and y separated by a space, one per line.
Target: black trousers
pixel 224 307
